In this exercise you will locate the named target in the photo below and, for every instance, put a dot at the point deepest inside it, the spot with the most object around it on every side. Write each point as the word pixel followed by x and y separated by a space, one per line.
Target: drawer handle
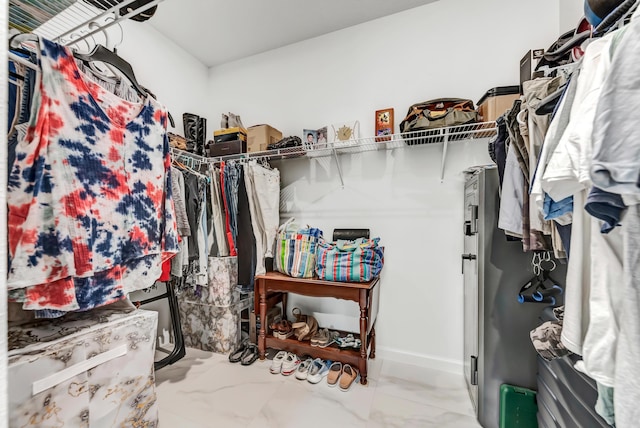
pixel 70 372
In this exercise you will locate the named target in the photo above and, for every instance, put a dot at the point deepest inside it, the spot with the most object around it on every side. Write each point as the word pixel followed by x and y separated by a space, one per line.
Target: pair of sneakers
pixel 284 363
pixel 313 371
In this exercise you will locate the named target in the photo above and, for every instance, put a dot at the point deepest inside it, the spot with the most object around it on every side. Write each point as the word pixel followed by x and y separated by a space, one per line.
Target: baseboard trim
pixel 421 360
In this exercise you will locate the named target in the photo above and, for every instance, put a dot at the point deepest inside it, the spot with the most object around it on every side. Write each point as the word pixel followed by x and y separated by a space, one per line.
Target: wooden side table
pixel 365 294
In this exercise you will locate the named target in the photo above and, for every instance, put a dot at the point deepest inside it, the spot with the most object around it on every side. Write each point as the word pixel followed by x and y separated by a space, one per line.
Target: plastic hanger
pixel 102 54
pixel 542 293
pixel 617 18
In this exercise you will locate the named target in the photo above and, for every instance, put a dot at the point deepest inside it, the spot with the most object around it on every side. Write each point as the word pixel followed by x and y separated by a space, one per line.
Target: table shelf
pixel 275 286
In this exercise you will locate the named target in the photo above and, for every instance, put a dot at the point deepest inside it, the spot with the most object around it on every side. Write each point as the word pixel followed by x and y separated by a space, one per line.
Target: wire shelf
pixel 473 131
pixel 476 131
pixel 69 21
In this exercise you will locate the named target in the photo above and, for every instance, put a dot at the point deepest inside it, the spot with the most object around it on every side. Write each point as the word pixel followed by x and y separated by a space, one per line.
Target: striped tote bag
pixel 296 250
pixel 350 261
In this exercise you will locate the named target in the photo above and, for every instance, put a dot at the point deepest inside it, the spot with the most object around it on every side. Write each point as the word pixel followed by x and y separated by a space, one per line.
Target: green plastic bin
pixel 518 407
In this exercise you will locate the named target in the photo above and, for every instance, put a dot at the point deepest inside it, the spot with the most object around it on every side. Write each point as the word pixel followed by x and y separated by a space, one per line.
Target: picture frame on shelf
pixel 309 139
pixel 384 124
pixel 322 137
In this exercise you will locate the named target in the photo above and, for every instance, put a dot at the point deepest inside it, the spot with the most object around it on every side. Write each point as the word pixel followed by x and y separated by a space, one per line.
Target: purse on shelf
pixel 350 261
pixel 439 113
pixel 296 250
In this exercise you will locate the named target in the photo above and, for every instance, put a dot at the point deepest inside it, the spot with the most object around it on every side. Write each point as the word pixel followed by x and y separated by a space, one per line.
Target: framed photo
pixel 322 138
pixel 384 124
pixel 309 138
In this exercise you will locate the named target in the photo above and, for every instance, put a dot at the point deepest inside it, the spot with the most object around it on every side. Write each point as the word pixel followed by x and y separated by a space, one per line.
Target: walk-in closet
pixel 407 213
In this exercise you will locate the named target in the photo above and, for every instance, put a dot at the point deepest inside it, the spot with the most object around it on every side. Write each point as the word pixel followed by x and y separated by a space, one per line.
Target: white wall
pixel 455 48
pixel 570 13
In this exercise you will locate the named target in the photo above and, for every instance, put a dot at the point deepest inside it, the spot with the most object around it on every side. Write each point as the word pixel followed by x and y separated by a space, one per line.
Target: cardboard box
pixel 260 136
pixel 229 134
pixel 497 101
pixel 227 148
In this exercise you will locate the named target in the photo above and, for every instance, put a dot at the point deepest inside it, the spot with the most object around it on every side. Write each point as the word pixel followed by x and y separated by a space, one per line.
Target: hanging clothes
pixel 264 186
pixel 219 223
pixel 91 215
pixel 614 168
pixel 246 242
pixel 231 180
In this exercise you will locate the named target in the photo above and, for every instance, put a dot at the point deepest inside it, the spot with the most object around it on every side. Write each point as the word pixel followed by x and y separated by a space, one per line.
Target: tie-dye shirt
pixel 91 217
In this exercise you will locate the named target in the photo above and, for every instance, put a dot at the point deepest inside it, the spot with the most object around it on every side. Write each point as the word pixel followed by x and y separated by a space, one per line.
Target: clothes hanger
pixel 102 54
pixel 546 287
pixel 616 18
pixel 191 168
pixel 542 294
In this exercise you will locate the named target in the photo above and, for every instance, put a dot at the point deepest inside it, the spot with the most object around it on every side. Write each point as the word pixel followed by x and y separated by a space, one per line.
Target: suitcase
pixel 496 101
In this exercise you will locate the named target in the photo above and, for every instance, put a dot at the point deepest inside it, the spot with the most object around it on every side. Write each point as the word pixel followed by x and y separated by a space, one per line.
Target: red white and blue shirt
pixel 91 215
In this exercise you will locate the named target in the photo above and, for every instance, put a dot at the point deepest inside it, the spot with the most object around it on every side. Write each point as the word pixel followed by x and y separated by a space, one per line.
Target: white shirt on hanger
pixel 510 218
pixel 594 274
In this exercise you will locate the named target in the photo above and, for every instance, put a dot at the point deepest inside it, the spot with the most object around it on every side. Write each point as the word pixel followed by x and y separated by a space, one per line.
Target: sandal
pixel 320 338
pixel 236 355
pixel 331 338
pixel 250 355
pixel 305 326
pixel 350 375
pixel 348 342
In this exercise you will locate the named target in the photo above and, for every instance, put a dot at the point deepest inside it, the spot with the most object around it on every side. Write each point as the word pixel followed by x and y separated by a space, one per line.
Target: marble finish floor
pixel 204 390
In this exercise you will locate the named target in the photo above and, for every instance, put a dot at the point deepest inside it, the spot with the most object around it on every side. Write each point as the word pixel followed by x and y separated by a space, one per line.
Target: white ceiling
pixel 220 31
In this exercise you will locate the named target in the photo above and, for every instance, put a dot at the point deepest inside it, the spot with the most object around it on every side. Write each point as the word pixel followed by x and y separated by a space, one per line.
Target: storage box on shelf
pixel 86 369
pixel 227 148
pixel 260 136
pixel 229 134
pixel 496 101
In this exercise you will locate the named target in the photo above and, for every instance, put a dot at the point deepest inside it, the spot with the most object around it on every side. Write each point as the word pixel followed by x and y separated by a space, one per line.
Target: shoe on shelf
pixel 320 338
pixel 349 341
pixel 303 369
pixel 236 355
pixel 276 364
pixel 331 338
pixel 335 371
pixel 349 376
pixel 290 364
pixel 318 370
pixel 282 329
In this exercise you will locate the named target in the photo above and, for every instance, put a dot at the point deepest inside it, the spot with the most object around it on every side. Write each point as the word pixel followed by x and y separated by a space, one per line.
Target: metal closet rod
pixel 242 157
pixel 23 61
